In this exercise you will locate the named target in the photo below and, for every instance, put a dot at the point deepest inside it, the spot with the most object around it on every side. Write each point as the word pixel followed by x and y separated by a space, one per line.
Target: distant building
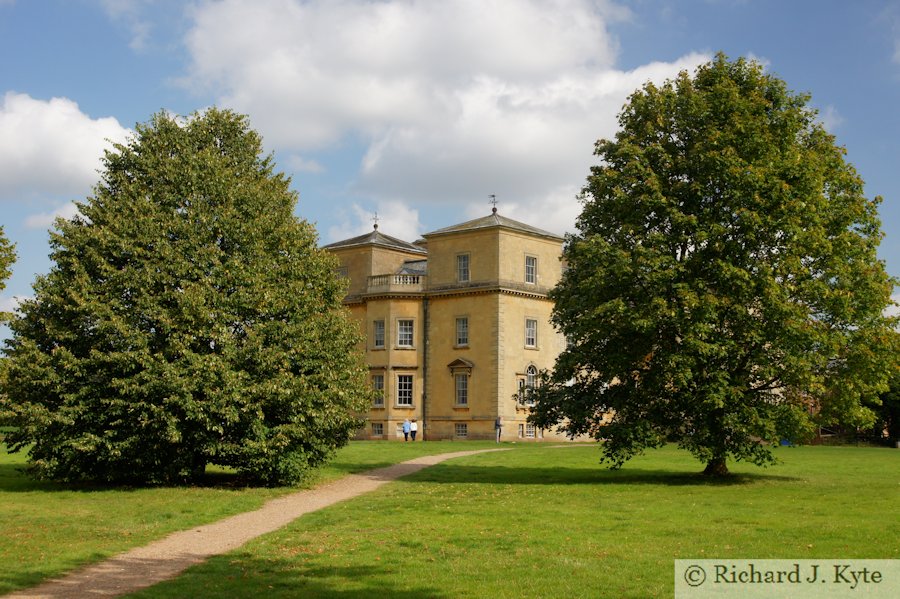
pixel 457 326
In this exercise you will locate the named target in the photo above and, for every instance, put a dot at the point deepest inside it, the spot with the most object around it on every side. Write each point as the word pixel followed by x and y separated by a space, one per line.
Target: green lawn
pixel 48 528
pixel 545 522
pixel 536 521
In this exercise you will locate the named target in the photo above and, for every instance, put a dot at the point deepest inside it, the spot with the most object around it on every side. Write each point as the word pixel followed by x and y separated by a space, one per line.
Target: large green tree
pixel 189 319
pixel 723 285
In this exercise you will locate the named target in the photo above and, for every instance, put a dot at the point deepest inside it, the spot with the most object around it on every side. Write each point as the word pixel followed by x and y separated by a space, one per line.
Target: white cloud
pixel 43 220
pixel 51 147
pixel 329 68
pixel 453 100
pixel 522 142
pixel 830 117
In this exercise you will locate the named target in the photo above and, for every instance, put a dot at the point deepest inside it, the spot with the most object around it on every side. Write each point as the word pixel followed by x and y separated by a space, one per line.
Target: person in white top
pixel 413 429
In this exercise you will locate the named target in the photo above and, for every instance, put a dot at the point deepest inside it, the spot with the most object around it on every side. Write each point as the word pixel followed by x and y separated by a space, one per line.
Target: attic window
pixel 462 268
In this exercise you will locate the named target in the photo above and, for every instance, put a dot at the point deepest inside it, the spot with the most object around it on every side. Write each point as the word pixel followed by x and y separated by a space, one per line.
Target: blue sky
pixel 416 110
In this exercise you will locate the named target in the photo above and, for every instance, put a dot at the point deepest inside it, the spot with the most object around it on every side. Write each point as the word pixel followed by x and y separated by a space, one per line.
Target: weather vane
pixel 493 201
pixel 375 220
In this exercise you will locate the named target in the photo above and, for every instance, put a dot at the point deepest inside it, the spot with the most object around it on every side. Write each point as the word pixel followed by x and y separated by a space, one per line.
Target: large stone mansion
pixel 457 325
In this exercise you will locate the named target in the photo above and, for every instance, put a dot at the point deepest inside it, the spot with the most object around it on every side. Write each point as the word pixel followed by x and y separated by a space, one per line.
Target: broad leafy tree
pixel 723 287
pixel 189 319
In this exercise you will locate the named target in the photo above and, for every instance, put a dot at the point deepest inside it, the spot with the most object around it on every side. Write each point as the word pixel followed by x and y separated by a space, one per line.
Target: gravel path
pixel 167 558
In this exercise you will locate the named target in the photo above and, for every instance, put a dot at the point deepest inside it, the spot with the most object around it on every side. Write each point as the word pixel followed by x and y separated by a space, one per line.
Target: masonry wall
pixel 482 247
pixel 480 409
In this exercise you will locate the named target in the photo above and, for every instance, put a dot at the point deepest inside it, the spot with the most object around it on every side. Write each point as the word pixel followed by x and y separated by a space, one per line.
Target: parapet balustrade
pixel 394 283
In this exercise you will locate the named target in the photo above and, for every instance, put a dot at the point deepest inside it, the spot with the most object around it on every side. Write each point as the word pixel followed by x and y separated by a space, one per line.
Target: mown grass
pixel 48 528
pixel 546 522
pixel 536 521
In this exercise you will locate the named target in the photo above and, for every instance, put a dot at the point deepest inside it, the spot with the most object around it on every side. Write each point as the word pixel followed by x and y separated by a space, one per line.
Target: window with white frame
pixel 529 431
pixel 405 390
pixel 462 388
pixel 462 268
pixel 462 331
pixel 530 332
pixel 405 333
pixel 378 333
pixel 530 269
pixel 378 385
pixel 377 429
pixel 462 430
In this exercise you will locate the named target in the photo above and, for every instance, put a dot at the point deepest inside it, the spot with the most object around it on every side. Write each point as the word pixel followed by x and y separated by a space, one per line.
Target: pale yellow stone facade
pixel 456 326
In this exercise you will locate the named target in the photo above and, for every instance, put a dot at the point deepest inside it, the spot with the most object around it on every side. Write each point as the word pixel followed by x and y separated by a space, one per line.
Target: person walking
pixel 498 427
pixel 406 428
pixel 413 429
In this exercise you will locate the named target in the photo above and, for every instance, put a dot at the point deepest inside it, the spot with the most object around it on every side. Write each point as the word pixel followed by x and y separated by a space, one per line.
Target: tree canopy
pixel 723 288
pixel 189 318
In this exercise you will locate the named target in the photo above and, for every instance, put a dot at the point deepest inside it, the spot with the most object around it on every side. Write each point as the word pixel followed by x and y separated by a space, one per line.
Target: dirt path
pixel 167 558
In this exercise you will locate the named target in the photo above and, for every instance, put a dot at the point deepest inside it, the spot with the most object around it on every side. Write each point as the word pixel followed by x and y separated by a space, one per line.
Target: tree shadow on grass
pixel 503 475
pixel 15 479
pixel 233 575
pixel 242 575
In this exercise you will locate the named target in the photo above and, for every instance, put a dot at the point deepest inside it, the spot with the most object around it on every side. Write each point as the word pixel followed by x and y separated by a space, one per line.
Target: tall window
pixel 461 429
pixel 530 332
pixel 378 333
pixel 462 389
pixel 526 387
pixel 530 269
pixel 378 385
pixel 405 333
pixel 462 331
pixel 404 390
pixel 462 268
pixel 530 377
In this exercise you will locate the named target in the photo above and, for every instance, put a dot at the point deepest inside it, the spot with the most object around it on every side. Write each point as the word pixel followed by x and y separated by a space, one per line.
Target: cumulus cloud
pixel 50 146
pixel 453 100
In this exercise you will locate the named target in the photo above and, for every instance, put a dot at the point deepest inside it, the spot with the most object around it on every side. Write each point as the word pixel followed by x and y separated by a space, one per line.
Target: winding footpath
pixel 167 558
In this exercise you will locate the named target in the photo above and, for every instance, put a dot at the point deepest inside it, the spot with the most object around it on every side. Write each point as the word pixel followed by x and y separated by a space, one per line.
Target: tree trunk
pixel 198 467
pixel 716 467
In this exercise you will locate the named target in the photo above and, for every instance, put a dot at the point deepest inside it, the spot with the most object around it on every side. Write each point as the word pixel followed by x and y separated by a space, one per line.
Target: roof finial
pixel 493 201
pixel 375 220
